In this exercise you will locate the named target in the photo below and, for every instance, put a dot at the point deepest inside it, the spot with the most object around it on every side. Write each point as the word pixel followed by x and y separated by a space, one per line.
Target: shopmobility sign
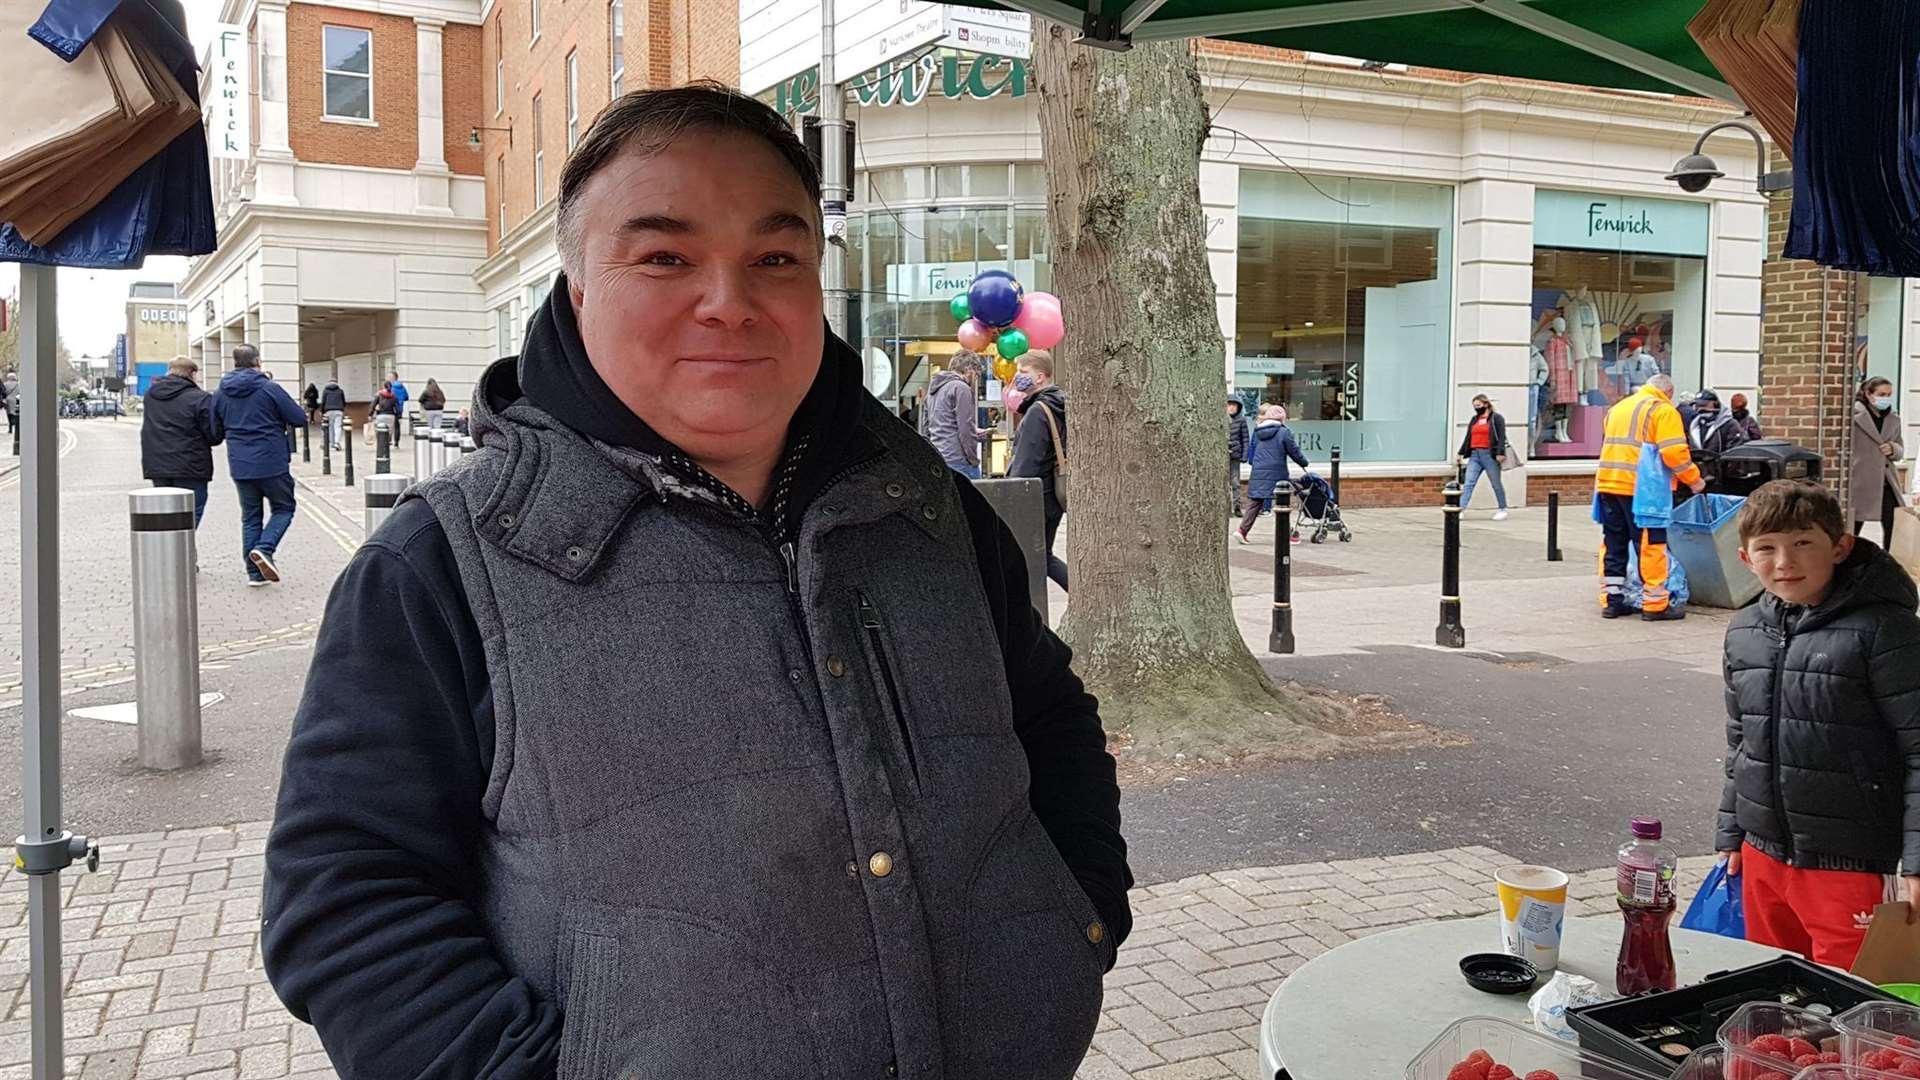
pixel 909 82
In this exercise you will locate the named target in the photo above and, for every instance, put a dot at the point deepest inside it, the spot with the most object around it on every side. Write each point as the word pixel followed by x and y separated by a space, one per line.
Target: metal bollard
pixel 382 444
pixel 1334 481
pixel 436 451
pixel 420 456
pixel 467 445
pixel 1553 527
pixel 413 424
pixel 166 628
pixel 353 432
pixel 383 492
pixel 306 443
pixel 1280 639
pixel 1451 634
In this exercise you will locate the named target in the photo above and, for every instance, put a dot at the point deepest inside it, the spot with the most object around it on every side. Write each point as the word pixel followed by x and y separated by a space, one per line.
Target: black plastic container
pixel 1633 1031
pixel 1744 468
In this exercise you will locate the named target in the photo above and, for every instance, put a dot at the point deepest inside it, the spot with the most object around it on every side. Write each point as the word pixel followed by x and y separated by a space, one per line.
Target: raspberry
pixel 1543 1074
pixel 1909 1067
pixel 1770 1044
pixel 1807 1059
pixel 1481 1055
pixel 1799 1048
pixel 1500 1072
pixel 1464 1071
pixel 1902 1040
pixel 1879 1059
pixel 1831 1057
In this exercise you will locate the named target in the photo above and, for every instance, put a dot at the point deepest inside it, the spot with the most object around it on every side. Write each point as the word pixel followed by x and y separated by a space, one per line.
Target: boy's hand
pixel 1732 859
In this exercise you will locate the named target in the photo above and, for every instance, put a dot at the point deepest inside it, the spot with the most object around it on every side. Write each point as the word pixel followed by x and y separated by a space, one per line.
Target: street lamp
pixel 473 137
pixel 1695 171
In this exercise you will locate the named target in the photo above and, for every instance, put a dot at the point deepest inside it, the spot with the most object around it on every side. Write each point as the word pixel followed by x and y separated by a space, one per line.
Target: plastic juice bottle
pixel 1644 875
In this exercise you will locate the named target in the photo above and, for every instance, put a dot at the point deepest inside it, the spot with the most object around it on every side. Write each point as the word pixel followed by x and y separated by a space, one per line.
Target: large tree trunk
pixel 1151 616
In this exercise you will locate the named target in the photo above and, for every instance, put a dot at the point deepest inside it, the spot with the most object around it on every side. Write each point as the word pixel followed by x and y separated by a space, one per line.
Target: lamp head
pixel 1694 172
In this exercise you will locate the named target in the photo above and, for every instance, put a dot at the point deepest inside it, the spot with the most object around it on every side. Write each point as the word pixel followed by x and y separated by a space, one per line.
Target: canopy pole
pixel 40 646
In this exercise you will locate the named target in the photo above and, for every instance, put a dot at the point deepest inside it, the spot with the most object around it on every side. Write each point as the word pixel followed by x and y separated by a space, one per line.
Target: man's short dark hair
pixel 650 120
pixel 1790 506
pixel 966 362
pixel 246 356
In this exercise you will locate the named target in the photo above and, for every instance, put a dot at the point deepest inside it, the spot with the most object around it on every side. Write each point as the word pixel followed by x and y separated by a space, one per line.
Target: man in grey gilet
pixel 716 736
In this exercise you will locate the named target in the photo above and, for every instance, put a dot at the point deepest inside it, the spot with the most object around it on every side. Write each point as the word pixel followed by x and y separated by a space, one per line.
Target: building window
pixel 499 66
pixel 503 330
pixel 1343 311
pixel 348 71
pixel 539 159
pixel 533 6
pixel 616 45
pixel 573 99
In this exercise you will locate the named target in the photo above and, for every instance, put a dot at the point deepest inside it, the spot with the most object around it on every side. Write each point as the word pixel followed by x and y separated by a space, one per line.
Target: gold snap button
pixel 880 865
pixel 836 667
pixel 1096 932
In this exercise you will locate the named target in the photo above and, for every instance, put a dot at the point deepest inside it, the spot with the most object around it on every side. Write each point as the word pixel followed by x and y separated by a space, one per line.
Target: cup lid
pixel 1645 828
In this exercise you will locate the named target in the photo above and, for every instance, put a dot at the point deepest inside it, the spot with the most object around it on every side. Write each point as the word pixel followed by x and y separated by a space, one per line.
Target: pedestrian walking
pixel 433 401
pixel 1484 451
pixel 333 402
pixel 178 433
pixel 1821 802
pixel 1873 489
pixel 1738 404
pixel 400 398
pixel 1645 418
pixel 1040 444
pixel 385 403
pixel 1273 447
pixel 10 402
pixel 953 409
pixel 312 401
pixel 253 414
pixel 712 732
pixel 1237 436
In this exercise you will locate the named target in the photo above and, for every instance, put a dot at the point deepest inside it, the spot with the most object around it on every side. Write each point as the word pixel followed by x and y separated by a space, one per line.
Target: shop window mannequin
pixel 1564 387
pixel 1583 332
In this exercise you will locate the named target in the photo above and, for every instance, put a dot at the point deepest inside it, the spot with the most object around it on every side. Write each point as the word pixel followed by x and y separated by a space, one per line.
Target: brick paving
pixel 164 977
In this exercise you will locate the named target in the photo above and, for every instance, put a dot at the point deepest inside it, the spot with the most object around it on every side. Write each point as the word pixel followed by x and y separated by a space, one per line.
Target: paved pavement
pixel 164 976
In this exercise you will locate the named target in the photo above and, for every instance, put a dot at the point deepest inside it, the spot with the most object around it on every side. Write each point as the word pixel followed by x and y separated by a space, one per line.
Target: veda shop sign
pixel 909 82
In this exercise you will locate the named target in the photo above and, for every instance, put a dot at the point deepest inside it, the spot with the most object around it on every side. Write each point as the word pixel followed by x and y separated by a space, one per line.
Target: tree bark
pixel 1151 617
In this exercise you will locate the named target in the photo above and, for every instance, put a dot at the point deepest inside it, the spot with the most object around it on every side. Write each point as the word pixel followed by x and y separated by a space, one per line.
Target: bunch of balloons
pixel 997 314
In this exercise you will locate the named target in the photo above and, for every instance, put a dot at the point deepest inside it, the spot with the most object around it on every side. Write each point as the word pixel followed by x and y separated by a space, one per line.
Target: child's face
pixel 1796 566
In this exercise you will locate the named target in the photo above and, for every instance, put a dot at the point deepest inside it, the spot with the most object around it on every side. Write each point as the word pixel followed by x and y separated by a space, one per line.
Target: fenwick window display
pixel 1606 316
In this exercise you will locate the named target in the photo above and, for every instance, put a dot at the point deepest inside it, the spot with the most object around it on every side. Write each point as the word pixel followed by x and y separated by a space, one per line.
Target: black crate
pixel 1632 1030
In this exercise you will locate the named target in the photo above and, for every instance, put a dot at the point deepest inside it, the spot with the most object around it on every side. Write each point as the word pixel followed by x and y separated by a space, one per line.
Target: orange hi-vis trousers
pixel 1618 535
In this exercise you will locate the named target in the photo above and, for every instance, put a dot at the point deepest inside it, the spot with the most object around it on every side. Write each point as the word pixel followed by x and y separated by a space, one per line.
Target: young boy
pixel 1822 799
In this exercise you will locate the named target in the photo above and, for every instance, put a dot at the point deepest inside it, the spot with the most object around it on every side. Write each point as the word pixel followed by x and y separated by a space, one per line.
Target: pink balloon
pixel 1041 319
pixel 975 336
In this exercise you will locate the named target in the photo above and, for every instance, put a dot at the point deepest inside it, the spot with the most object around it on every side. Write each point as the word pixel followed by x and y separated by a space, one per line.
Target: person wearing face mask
pixel 1713 431
pixel 1485 450
pixel 1874 489
pixel 1040 443
pixel 1741 415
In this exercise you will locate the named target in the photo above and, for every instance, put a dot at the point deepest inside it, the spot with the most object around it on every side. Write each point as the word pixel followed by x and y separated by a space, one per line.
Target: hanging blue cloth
pixel 1856 140
pixel 166 206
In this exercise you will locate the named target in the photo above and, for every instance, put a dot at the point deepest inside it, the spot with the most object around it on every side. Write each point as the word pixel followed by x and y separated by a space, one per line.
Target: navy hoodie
pixel 255 413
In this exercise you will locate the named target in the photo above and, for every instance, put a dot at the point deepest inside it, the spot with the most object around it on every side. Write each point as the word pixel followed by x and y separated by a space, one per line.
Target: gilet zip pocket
pixel 877 648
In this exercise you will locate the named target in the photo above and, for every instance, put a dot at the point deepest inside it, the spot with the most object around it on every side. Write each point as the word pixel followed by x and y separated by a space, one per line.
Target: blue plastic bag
pixel 1678 592
pixel 1652 490
pixel 1716 909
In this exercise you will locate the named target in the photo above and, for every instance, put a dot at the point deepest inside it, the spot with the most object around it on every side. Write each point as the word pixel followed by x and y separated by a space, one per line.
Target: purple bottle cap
pixel 1645 828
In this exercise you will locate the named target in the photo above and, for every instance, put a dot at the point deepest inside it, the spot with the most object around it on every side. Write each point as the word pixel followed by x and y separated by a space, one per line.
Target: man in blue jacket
pixel 255 413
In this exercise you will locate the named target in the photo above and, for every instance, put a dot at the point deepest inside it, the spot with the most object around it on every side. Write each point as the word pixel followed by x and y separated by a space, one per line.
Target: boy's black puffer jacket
pixel 1823 724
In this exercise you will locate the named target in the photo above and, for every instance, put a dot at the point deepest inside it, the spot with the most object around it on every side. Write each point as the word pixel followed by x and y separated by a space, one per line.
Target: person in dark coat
pixel 1237 436
pixel 333 402
pixel 1038 445
pixel 253 413
pixel 1273 447
pixel 1738 403
pixel 1712 432
pixel 433 401
pixel 1822 792
pixel 178 433
pixel 312 400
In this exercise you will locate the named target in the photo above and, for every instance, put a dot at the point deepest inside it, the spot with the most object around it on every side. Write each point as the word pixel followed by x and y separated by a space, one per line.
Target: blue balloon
pixel 995 300
pixel 1008 274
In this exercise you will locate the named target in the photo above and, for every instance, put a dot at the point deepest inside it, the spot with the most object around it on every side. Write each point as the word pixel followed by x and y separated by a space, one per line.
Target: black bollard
pixel 1451 634
pixel 306 443
pixel 1280 640
pixel 326 451
pixel 348 443
pixel 382 445
pixel 1553 527
pixel 1335 479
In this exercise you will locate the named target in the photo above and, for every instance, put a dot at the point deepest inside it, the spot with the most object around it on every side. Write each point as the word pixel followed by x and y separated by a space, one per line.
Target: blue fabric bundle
pixel 166 206
pixel 1856 144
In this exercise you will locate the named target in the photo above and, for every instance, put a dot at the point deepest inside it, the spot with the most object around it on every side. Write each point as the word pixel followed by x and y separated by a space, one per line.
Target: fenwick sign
pixel 909 82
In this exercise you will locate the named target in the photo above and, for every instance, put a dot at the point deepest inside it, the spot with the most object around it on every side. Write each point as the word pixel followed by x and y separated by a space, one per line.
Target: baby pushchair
pixel 1314 508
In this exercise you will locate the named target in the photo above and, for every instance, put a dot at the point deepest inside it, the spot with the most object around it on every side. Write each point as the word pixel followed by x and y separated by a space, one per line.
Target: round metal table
pixel 1364 1010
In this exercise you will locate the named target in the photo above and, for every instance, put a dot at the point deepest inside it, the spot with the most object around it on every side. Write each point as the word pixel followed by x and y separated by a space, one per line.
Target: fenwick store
pixel 1385 244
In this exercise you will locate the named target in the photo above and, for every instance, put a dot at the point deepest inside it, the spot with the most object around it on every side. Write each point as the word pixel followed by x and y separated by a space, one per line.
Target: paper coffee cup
pixel 1533 911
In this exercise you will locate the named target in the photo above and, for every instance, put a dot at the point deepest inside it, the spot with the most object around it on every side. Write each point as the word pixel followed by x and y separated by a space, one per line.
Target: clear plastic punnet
pixel 1883 1035
pixel 1518 1049
pixel 1719 1063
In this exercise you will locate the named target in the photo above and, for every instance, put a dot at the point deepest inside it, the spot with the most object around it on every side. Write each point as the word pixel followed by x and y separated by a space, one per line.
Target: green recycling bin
pixel 1705 537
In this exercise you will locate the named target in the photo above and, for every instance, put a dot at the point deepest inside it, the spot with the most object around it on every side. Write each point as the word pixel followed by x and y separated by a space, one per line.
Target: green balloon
pixel 1011 343
pixel 962 311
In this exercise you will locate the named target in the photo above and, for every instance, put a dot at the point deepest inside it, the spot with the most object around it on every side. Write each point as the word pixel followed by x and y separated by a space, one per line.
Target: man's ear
pixel 575 294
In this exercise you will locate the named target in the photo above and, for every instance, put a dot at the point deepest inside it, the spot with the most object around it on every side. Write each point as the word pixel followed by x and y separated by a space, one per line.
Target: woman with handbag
pixel 1484 450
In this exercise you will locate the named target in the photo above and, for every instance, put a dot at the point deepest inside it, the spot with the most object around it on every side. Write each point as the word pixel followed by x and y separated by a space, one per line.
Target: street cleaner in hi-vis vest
pixel 1643 458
